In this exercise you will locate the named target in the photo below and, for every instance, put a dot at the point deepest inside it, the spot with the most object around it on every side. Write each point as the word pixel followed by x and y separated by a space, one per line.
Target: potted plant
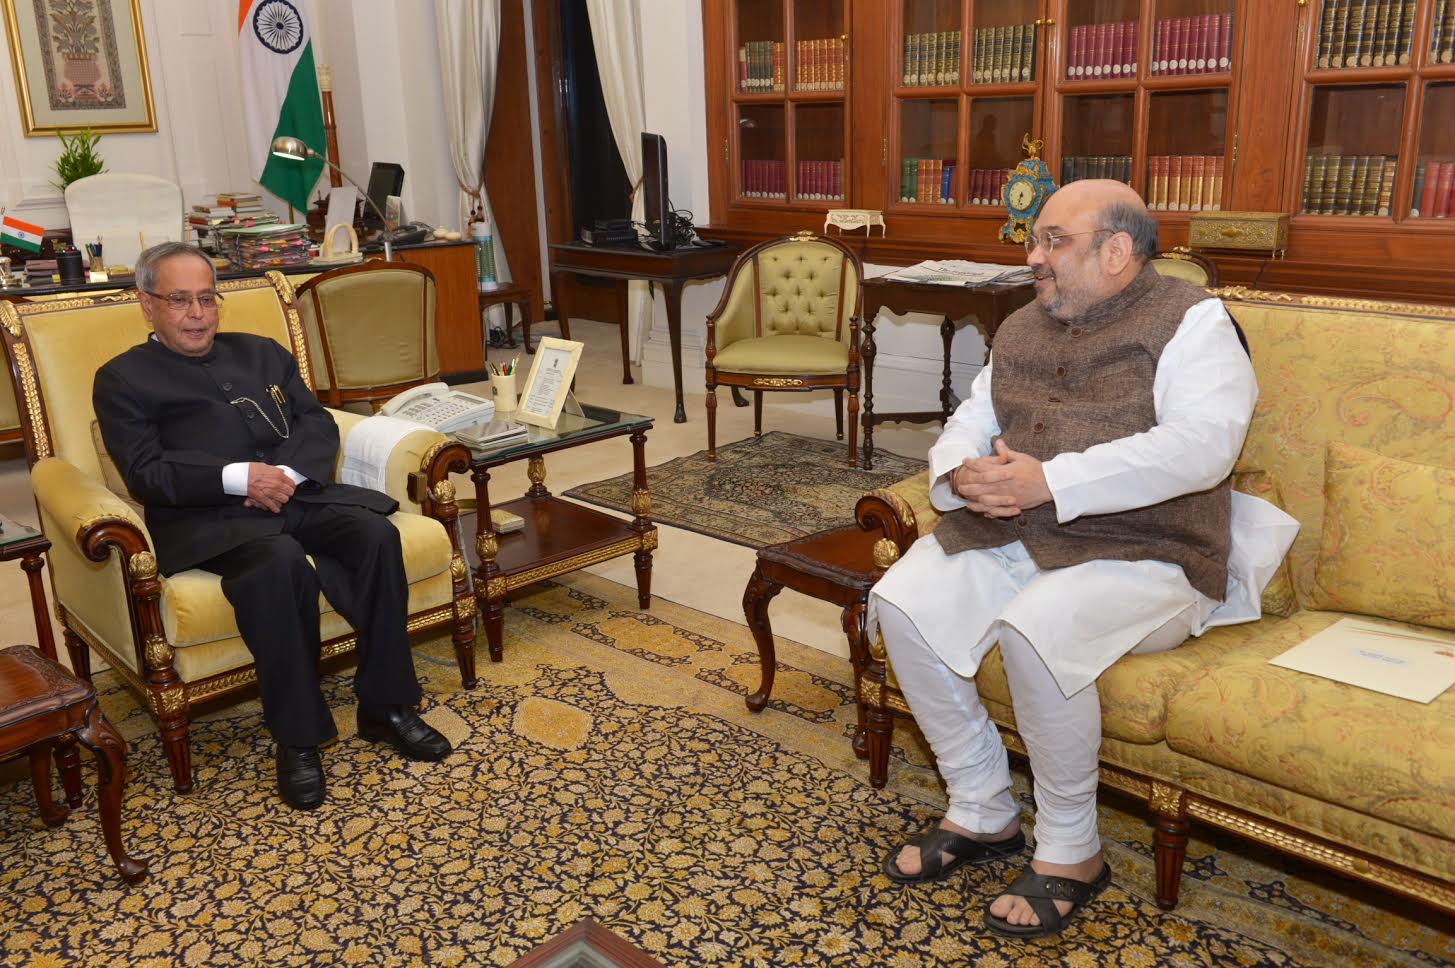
pixel 78 157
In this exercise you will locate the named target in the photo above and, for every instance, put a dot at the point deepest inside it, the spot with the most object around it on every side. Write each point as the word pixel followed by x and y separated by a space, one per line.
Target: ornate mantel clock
pixel 1025 192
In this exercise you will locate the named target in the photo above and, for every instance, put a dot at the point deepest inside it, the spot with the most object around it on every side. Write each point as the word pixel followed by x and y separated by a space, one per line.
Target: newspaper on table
pixel 957 272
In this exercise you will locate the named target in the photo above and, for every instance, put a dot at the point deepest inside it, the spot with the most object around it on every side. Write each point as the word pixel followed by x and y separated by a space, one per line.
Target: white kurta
pixel 1083 618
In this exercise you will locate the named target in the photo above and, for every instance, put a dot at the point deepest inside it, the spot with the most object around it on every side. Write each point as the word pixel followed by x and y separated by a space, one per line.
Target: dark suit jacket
pixel 172 422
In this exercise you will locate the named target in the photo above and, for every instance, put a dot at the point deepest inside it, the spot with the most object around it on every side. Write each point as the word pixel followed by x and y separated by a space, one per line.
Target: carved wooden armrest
pixel 885 511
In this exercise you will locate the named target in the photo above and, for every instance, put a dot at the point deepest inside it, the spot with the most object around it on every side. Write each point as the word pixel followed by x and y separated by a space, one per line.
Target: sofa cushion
pixel 784 354
pixel 110 473
pixel 1388 545
pixel 1376 754
pixel 1278 596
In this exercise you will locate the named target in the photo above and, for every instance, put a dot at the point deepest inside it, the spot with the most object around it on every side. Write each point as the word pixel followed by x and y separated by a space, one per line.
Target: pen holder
pixel 68 265
pixel 503 386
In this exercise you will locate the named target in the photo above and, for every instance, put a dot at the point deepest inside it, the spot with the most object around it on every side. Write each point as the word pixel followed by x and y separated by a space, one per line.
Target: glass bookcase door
pixel 1355 34
pixel 1097 137
pixel 997 125
pixel 762 168
pixel 1433 192
pixel 818 152
pixel 928 135
pixel 1004 41
pixel 820 46
pixel 1186 140
pixel 762 55
pixel 1100 40
pixel 930 48
pixel 1352 157
pixel 1191 37
pixel 1441 49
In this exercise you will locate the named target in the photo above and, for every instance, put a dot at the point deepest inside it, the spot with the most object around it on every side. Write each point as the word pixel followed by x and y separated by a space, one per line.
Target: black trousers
pixel 273 589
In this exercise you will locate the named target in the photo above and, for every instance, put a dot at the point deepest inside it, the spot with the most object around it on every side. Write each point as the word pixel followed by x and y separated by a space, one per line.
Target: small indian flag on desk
pixel 20 234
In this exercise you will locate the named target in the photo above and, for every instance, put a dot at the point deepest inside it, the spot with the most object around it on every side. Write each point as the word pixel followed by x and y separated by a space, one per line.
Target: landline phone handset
pixel 440 407
pixel 409 233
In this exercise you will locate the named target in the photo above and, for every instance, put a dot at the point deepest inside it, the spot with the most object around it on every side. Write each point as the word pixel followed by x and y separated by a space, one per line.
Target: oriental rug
pixel 759 491
pixel 608 769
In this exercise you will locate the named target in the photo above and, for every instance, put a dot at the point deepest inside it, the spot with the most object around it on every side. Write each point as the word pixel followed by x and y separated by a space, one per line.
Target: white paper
pixel 341 204
pixel 957 272
pixel 1392 659
pixel 368 446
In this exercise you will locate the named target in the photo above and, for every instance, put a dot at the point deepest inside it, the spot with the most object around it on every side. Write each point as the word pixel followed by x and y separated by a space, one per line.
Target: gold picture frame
pixel 79 64
pixel 549 382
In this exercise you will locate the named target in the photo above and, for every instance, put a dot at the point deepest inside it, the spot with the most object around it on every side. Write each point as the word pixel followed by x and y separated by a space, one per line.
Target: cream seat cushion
pixel 784 354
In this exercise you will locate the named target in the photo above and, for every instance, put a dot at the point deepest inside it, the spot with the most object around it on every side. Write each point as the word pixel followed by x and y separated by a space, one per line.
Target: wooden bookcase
pixel 935 96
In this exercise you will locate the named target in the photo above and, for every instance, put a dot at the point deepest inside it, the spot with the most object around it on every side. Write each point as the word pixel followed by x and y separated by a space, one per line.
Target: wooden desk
pixel 988 304
pixel 671 269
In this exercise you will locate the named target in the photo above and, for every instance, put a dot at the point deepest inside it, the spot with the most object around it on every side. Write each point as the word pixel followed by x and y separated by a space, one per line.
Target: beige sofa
pixel 1354 780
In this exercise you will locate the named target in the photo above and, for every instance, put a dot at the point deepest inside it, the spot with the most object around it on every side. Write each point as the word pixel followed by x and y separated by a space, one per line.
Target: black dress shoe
pixel 300 776
pixel 401 727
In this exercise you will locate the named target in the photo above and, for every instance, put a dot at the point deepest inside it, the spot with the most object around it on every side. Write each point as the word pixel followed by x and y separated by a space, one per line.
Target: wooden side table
pixel 508 295
pixel 29 546
pixel 41 705
pixel 836 565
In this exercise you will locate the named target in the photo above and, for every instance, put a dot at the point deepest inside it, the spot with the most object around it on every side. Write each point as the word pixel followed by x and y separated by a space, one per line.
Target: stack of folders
pixel 494 435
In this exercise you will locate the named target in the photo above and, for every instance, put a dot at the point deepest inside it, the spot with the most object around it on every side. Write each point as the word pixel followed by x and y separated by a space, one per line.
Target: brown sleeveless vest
pixel 1062 388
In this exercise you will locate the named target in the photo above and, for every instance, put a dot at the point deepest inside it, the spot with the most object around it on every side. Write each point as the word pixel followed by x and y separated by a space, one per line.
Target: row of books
pixel 932 59
pixel 1348 184
pixel 764 178
pixel 1003 55
pixel 1366 33
pixel 926 180
pixel 820 179
pixel 1101 51
pixel 265 246
pixel 1192 45
pixel 1184 183
pixel 820 65
pixel 1434 194
pixel 1442 39
pixel 1077 167
pixel 760 66
pixel 986 185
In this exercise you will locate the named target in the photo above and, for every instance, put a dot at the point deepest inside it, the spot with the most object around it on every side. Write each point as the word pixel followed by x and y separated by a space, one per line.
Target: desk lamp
pixel 295 150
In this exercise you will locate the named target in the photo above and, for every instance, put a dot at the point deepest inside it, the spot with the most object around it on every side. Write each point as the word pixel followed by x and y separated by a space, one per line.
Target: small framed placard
pixel 549 382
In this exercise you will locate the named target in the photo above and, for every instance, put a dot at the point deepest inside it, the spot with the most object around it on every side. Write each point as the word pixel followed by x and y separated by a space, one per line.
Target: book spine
pixel 780 65
pixel 1225 48
pixel 906 179
pixel 1326 34
pixel 1340 49
pixel 1017 50
pixel 1151 196
pixel 1447 35
pixel 977 57
pixel 1197 59
pixel 1174 183
pixel 1384 205
pixel 1417 192
pixel 1114 47
pixel 1443 188
pixel 1073 53
pixel 1379 45
pixel 1028 53
pixel 1359 200
pixel 1209 166
pixel 904 58
pixel 1357 47
pixel 1320 193
pixel 1129 48
pixel 1344 192
pixel 1437 35
pixel 1002 55
pixel 947 172
pixel 1217 184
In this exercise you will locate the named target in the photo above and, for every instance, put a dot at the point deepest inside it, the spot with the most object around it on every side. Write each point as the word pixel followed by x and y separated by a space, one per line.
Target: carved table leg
pixel 1169 838
pixel 45 639
pixel 756 598
pixel 102 739
pixel 738 399
pixel 868 351
pixel 68 764
pixel 947 336
pixel 79 653
pixel 641 520
pixel 880 729
pixel 51 814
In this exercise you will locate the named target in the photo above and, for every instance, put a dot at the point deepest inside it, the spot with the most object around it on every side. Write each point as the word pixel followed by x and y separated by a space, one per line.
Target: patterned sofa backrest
pixel 57 347
pixel 805 287
pixel 1380 376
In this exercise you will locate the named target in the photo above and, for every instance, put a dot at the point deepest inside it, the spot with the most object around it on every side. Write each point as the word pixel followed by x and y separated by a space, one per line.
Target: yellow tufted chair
pixel 370 330
pixel 1183 263
pixel 173 639
pixel 788 320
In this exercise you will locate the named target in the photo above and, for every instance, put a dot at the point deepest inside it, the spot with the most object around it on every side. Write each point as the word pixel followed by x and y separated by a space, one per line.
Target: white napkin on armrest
pixel 368 446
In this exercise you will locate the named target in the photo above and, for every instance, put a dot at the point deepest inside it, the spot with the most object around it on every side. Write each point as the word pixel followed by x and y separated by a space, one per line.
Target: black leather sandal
pixel 1041 891
pixel 935 843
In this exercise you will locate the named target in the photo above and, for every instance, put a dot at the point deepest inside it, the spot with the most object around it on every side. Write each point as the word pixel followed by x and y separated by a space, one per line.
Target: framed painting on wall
pixel 79 64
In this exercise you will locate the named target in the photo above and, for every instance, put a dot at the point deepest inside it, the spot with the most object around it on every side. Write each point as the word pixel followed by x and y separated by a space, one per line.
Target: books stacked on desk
pixel 228 210
pixel 265 246
pixel 40 272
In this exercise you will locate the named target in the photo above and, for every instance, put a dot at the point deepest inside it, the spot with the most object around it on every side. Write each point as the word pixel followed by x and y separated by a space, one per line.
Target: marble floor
pixel 689 568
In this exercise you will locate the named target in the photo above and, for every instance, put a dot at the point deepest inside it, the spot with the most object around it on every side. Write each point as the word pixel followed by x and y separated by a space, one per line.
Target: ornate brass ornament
pixel 432 452
pixel 458 568
pixel 776 381
pixel 158 652
pixel 536 470
pixel 31 394
pixel 641 503
pixel 173 701
pixel 466 608
pixel 886 553
pixel 142 565
pixel 486 546
pixel 10 318
pixel 1166 799
pixel 444 492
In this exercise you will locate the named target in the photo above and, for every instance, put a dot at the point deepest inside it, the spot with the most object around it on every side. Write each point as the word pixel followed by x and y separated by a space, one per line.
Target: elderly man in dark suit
pixel 232 456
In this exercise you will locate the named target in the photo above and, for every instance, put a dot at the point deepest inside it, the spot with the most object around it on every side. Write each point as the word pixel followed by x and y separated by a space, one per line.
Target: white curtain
pixel 469 45
pixel 619 62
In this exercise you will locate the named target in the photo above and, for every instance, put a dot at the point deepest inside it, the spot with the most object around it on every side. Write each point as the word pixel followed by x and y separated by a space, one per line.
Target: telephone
pixel 436 405
pixel 410 233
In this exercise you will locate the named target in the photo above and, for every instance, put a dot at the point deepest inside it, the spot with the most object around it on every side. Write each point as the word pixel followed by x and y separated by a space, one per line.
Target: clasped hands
pixel 268 487
pixel 1002 484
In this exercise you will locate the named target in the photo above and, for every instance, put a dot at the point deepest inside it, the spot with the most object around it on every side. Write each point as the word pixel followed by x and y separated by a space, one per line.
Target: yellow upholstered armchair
pixel 1183 263
pixel 788 320
pixel 370 330
pixel 173 639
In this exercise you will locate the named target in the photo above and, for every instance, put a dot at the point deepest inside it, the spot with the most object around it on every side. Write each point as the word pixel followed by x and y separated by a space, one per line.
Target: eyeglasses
pixel 182 301
pixel 1049 241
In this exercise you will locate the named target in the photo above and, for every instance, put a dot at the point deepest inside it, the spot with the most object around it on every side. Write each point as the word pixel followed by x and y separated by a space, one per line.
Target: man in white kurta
pixel 1060 627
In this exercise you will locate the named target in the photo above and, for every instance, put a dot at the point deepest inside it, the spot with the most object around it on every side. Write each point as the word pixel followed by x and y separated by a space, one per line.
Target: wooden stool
pixel 42 706
pixel 508 295
pixel 836 565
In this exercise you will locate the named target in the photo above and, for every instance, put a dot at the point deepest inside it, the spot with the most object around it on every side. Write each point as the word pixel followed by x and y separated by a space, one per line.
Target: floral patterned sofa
pixel 1354 435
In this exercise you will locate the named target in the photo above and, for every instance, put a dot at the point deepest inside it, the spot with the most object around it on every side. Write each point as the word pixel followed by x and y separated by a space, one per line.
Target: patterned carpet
pixel 759 491
pixel 608 769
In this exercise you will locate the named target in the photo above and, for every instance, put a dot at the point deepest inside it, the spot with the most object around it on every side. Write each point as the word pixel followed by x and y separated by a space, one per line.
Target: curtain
pixel 468 32
pixel 619 62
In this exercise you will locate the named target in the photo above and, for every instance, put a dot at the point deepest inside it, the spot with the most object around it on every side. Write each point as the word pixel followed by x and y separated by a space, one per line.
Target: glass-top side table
pixel 29 545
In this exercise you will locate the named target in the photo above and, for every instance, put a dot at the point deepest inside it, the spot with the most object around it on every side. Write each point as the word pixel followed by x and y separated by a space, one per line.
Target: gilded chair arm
pixel 884 511
pixel 85 510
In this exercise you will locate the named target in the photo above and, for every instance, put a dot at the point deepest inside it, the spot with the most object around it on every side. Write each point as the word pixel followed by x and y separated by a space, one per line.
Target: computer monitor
pixel 654 183
pixel 385 179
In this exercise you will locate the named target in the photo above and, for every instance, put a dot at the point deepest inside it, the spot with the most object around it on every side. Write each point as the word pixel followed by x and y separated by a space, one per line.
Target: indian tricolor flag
pixel 20 234
pixel 280 95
